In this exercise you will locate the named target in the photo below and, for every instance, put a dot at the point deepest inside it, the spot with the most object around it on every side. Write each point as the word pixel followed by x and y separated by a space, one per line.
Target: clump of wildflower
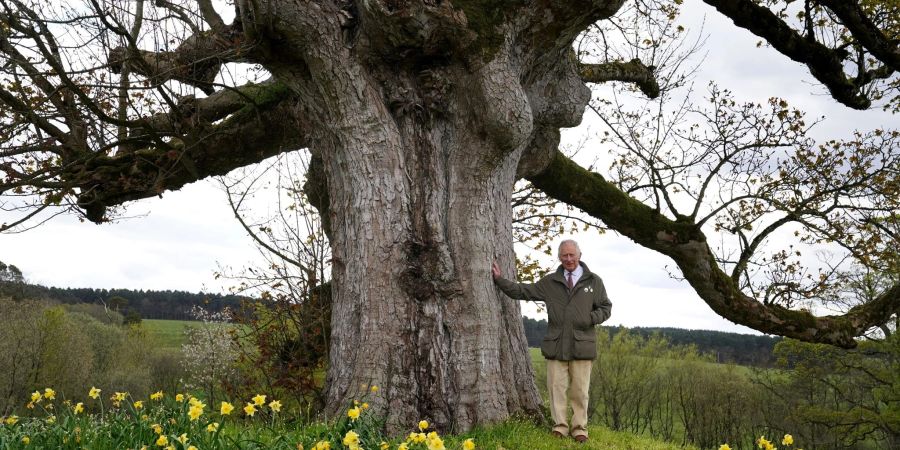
pixel 351 439
pixel 259 400
pixel 764 444
pixel 353 413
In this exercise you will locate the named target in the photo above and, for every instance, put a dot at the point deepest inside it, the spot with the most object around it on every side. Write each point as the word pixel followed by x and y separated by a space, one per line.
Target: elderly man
pixel 576 301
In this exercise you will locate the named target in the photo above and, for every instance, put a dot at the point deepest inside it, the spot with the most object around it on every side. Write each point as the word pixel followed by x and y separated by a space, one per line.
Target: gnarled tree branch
pixel 633 71
pixel 686 244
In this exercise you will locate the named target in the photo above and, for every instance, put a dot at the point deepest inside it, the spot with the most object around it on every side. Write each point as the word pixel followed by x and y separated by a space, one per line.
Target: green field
pixel 168 333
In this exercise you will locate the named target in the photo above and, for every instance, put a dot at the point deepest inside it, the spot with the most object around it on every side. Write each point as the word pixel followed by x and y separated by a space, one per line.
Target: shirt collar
pixel 577 273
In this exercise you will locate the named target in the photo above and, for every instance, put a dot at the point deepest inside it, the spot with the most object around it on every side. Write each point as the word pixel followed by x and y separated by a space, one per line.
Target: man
pixel 576 301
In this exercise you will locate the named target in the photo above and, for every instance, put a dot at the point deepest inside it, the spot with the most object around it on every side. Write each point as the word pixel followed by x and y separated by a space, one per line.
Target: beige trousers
pixel 569 380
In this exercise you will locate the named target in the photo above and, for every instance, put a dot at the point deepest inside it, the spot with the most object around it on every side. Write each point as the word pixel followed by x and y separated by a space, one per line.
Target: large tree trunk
pixel 419 207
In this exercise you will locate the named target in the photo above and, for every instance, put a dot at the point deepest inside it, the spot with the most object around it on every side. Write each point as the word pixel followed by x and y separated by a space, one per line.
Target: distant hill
pixel 743 349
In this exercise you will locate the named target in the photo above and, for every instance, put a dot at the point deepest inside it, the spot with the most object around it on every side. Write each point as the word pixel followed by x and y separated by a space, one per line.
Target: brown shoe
pixel 557 434
pixel 581 439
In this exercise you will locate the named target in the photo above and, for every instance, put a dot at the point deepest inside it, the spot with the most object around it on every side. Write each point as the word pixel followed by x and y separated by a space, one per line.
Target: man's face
pixel 569 256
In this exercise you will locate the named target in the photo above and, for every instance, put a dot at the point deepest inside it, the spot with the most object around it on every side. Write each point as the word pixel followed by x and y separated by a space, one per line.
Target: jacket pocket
pixel 550 344
pixel 585 344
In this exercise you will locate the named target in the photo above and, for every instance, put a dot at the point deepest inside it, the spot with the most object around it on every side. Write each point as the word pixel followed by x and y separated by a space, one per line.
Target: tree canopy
pixel 106 102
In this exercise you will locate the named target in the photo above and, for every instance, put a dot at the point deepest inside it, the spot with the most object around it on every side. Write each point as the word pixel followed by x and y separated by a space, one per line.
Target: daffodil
pixel 36 397
pixel 353 413
pixel 191 447
pixel 365 406
pixel 226 408
pixel 12 420
pixel 194 401
pixel 26 440
pixel 275 405
pixel 250 409
pixel 157 428
pixel 787 440
pixel 94 393
pixel 179 398
pixel 213 427
pixel 158 395
pixel 51 419
pixel 402 446
pixel 374 389
pixel 384 446
pixel 724 447
pixel 322 445
pixel 138 404
pixel 423 425
pixel 259 400
pixel 162 441
pixel 469 444
pixel 119 396
pixel 49 394
pixel 183 438
pixel 351 438
pixel 79 408
pixel 195 412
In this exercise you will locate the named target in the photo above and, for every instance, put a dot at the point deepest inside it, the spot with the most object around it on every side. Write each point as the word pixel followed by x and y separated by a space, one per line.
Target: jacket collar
pixel 559 275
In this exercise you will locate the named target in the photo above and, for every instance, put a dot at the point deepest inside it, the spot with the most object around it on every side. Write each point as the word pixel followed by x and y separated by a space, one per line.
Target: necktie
pixel 569 281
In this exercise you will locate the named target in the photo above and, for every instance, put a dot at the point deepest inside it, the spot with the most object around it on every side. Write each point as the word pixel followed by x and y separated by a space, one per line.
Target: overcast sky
pixel 177 242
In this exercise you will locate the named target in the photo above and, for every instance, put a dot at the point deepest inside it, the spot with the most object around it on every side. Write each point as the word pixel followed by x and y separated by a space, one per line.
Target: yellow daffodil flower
pixel 213 427
pixel 788 440
pixel 79 408
pixel 94 393
pixel 374 389
pixel 275 405
pixel 157 428
pixel 226 408
pixel 158 395
pixel 365 406
pixel 402 446
pixel 183 438
pixel 36 397
pixel 138 404
pixel 179 398
pixel 322 445
pixel 195 412
pixel 469 444
pixel 724 447
pixel 351 438
pixel 162 441
pixel 250 409
pixel 384 446
pixel 353 413
pixel 26 440
pixel 49 394
pixel 423 425
pixel 259 400
pixel 12 420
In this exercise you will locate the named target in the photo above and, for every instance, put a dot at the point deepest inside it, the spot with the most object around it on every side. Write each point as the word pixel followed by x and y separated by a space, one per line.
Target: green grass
pixel 523 435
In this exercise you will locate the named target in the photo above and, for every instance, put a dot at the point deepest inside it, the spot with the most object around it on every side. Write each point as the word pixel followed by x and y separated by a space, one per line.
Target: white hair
pixel 569 241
